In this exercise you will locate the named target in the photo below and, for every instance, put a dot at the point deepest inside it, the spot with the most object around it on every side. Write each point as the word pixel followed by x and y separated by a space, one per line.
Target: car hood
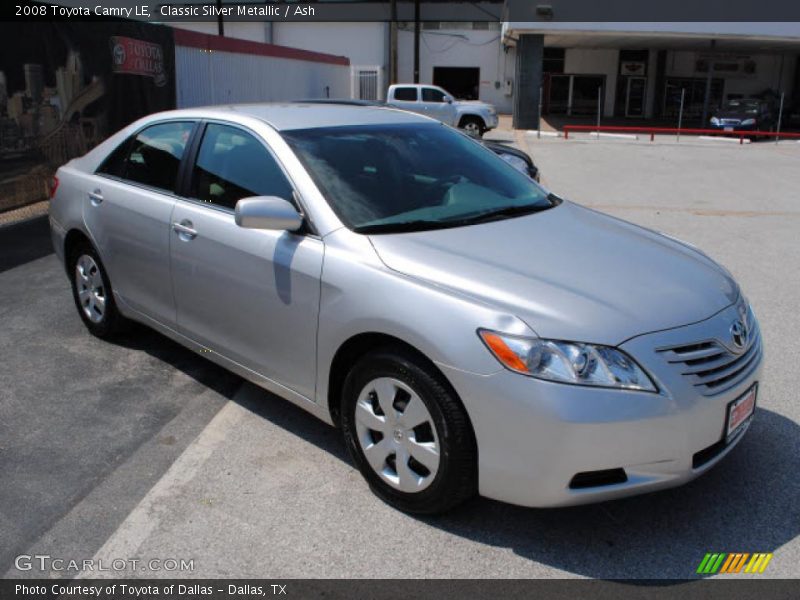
pixel 568 272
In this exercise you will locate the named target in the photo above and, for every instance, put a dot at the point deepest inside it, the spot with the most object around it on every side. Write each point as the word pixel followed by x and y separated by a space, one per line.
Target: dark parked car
pixel 516 158
pixel 744 114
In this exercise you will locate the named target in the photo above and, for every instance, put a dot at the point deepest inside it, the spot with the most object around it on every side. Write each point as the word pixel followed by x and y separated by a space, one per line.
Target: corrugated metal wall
pixel 213 77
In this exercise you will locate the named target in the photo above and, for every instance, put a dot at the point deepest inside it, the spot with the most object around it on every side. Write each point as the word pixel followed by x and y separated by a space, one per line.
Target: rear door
pixel 249 295
pixel 407 98
pixel 127 210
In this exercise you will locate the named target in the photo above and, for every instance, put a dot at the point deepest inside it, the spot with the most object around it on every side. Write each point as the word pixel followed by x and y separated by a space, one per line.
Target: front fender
pixel 360 294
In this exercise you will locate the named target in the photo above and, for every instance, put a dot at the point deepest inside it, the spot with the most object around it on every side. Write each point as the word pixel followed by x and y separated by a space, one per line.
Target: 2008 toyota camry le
pixel 469 331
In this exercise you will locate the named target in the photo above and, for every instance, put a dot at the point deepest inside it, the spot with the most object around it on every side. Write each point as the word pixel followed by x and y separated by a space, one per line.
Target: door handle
pixel 96 197
pixel 184 230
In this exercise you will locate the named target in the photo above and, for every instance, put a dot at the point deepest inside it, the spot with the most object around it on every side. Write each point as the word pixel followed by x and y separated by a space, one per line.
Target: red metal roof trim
pixel 195 39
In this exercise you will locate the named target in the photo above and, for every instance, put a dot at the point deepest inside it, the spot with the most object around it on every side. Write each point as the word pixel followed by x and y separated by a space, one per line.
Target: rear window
pixel 406 93
pixel 151 157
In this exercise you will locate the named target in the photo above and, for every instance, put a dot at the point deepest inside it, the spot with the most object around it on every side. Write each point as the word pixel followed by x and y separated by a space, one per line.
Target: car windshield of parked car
pixel 748 106
pixel 391 178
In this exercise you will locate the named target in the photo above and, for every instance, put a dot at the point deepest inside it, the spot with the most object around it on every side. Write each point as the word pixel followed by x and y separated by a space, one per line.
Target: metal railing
pixel 652 131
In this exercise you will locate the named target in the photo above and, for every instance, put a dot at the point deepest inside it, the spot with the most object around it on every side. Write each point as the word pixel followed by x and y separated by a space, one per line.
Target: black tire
pixel 112 322
pixel 456 478
pixel 477 124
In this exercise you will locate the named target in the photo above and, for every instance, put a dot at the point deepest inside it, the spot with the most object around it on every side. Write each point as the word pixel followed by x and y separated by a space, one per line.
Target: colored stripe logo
pixel 734 562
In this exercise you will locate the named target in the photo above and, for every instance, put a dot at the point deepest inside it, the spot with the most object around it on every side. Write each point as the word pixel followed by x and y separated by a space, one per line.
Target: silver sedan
pixel 469 331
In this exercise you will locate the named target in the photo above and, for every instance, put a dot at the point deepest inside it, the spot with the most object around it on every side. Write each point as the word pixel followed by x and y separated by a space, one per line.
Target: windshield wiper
pixel 402 226
pixel 508 211
pixel 426 225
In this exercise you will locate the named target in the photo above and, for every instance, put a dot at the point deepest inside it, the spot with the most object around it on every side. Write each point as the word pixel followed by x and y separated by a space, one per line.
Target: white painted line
pixel 621 136
pixel 714 138
pixel 148 514
pixel 545 133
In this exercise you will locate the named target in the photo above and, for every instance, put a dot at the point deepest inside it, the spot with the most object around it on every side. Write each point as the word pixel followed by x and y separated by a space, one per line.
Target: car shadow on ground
pixel 746 503
pixel 141 338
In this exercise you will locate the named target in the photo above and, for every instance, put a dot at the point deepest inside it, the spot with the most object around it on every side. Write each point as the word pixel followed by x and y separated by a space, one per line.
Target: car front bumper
pixel 736 127
pixel 492 121
pixel 535 436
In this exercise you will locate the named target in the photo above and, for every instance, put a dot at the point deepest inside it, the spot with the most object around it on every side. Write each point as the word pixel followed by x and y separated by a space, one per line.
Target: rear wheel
pixel 408 434
pixel 91 290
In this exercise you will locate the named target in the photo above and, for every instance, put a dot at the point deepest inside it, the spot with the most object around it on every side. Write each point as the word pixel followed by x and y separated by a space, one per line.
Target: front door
pixel 249 295
pixel 434 105
pixel 127 209
pixel 635 96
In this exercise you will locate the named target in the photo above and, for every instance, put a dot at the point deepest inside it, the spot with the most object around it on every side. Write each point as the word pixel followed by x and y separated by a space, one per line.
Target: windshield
pixel 389 178
pixel 748 106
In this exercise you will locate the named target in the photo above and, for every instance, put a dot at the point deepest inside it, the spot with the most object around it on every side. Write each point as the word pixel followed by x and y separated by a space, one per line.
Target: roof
pixel 284 117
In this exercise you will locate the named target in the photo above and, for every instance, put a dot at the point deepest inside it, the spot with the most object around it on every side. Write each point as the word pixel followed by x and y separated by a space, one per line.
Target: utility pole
pixel 707 97
pixel 220 24
pixel 393 43
pixel 416 41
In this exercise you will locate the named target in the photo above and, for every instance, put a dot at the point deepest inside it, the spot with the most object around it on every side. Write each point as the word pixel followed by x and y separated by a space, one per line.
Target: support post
pixel 599 88
pixel 416 41
pixel 393 44
pixel 707 96
pixel 530 50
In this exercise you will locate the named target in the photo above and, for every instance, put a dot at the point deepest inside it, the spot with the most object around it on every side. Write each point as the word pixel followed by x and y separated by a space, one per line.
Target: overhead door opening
pixel 462 82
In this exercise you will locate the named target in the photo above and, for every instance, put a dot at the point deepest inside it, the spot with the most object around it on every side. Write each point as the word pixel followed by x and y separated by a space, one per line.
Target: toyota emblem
pixel 739 334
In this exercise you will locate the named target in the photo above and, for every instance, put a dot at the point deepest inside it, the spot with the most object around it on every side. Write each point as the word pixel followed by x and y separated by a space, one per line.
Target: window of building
pixel 553 60
pixel 232 164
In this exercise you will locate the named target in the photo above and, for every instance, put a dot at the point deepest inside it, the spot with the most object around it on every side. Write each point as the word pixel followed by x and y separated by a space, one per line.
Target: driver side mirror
pixel 448 99
pixel 267 212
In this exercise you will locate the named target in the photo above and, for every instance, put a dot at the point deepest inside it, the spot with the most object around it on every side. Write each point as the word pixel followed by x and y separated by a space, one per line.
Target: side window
pixel 115 163
pixel 152 156
pixel 432 95
pixel 406 94
pixel 232 164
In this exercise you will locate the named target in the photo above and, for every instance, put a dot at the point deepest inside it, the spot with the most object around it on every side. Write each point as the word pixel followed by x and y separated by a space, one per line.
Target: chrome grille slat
pixel 711 366
pixel 718 359
pixel 739 363
pixel 704 352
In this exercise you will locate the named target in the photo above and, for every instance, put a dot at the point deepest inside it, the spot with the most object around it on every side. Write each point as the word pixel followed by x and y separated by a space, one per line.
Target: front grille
pixel 730 121
pixel 711 367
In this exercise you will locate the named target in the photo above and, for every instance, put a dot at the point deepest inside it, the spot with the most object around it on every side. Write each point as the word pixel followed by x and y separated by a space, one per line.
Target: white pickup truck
pixel 472 116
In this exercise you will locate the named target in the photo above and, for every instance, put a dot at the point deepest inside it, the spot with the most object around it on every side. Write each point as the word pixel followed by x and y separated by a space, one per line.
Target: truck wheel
pixel 473 126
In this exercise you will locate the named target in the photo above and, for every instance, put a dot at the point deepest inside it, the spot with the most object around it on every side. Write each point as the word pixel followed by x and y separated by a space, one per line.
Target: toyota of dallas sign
pixel 137 57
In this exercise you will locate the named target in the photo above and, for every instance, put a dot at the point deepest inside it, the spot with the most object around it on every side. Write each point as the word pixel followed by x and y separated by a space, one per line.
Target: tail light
pixel 53 187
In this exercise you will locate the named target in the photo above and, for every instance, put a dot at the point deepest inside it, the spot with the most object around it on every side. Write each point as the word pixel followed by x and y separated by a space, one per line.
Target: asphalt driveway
pixel 142 449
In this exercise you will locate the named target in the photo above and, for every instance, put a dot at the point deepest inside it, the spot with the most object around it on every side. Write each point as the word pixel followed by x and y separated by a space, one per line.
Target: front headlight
pixel 515 161
pixel 567 362
pixel 749 122
pixel 714 121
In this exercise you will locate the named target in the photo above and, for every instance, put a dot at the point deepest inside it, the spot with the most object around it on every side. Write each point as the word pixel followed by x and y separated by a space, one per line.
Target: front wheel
pixel 408 434
pixel 473 126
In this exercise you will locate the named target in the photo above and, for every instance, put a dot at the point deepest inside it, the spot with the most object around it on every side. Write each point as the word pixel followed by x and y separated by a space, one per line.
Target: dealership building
pixel 633 70
pixel 641 70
